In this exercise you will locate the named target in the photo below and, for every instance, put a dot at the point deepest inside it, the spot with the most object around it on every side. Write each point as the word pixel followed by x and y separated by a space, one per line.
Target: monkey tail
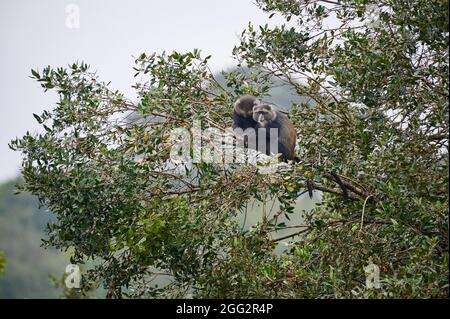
pixel 309 186
pixel 309 183
pixel 340 183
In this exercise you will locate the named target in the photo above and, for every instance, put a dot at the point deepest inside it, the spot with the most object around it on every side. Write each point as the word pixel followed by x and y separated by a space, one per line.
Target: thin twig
pixel 363 211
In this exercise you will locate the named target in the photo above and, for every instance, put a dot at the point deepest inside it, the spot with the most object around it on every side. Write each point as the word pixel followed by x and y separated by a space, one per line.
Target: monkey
pixel 243 112
pixel 243 119
pixel 267 117
pixel 250 113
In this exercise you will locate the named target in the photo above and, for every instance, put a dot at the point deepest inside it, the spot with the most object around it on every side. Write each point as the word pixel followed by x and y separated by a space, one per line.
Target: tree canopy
pixel 374 77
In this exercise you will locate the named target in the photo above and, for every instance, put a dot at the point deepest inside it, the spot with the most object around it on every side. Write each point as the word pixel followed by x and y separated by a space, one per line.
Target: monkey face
pixel 263 114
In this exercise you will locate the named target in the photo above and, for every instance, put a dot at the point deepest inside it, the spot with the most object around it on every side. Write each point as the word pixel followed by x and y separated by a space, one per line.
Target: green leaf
pixel 38 118
pixel 35 74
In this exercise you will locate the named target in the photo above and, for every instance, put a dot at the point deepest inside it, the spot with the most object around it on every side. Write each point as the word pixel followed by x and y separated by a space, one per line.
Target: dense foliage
pixel 375 77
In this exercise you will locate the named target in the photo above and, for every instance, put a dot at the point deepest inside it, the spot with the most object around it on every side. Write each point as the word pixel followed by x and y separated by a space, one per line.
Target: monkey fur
pixel 267 117
pixel 243 112
pixel 245 117
pixel 249 112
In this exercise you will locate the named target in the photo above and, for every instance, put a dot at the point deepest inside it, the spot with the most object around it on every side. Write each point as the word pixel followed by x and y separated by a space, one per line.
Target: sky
pixel 106 34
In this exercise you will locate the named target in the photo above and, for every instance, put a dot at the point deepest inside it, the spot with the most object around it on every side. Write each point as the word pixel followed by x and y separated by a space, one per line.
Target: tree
pixel 375 77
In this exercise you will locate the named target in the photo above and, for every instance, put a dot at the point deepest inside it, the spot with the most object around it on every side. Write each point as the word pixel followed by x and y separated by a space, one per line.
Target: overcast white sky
pixel 33 34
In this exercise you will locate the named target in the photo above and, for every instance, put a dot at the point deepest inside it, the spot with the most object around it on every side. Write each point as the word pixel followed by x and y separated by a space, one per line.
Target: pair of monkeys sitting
pixel 250 113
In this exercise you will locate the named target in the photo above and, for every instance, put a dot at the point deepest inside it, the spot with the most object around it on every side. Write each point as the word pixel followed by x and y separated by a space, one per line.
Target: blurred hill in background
pixel 28 265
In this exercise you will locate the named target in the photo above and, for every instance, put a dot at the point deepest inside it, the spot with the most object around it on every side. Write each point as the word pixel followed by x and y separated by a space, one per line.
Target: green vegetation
pixel 376 112
pixel 2 262
pixel 28 265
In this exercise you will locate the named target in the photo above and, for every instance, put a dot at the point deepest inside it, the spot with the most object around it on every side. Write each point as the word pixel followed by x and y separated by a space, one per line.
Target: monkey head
pixel 264 114
pixel 244 105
